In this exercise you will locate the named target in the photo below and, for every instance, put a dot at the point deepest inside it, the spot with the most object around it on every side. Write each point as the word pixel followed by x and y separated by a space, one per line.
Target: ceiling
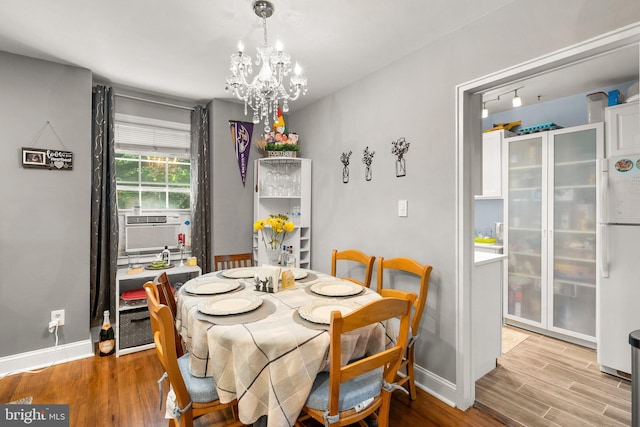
pixel 610 69
pixel 181 49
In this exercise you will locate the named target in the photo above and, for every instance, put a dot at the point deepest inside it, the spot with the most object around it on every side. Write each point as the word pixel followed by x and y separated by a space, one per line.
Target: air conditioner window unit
pixel 144 233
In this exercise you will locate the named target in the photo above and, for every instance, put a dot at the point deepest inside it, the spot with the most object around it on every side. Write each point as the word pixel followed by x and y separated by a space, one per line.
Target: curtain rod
pixel 154 102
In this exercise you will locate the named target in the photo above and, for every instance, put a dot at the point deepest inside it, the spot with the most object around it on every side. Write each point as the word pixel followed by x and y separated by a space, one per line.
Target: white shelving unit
pixel 550 233
pixel 132 324
pixel 283 186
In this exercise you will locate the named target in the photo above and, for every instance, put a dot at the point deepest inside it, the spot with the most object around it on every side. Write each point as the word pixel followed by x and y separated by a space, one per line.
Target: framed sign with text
pixel 46 158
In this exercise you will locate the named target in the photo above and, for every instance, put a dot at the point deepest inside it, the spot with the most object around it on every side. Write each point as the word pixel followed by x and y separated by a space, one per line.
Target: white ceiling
pixel 181 48
pixel 610 69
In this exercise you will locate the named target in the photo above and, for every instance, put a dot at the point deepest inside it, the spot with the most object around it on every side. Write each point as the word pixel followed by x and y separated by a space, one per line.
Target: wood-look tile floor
pixel 546 382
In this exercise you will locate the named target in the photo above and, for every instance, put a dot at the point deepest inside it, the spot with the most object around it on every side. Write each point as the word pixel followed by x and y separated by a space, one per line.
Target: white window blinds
pixel 140 135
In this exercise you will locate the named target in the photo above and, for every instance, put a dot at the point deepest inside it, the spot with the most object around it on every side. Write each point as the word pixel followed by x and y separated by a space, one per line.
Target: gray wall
pixel 44 231
pixel 415 98
pixel 232 203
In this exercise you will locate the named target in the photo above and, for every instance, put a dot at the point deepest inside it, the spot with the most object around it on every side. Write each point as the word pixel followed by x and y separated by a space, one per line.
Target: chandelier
pixel 265 92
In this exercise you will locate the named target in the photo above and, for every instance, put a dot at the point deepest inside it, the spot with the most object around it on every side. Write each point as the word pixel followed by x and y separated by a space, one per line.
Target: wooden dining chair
pixel 354 256
pixel 156 295
pixel 225 262
pixel 167 296
pixel 349 394
pixel 408 265
pixel 194 396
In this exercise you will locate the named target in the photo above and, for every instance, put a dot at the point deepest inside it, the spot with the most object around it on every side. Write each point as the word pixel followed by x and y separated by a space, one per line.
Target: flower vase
pixel 273 255
pixel 368 173
pixel 401 167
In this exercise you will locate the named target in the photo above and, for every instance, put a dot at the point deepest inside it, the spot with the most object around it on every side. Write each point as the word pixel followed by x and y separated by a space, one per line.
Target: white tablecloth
pixel 268 365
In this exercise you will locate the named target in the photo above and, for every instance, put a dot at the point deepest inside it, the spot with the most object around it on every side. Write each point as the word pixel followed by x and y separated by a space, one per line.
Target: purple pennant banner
pixel 241 135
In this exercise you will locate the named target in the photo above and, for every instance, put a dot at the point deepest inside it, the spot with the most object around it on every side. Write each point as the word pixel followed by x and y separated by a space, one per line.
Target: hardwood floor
pixel 547 382
pixel 541 382
pixel 105 391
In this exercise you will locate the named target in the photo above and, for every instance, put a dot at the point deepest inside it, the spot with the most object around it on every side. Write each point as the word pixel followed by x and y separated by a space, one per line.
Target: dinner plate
pixel 299 273
pixel 320 311
pixel 226 304
pixel 336 288
pixel 210 286
pixel 240 273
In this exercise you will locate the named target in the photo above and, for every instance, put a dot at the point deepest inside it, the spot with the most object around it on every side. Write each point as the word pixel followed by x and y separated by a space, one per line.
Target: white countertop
pixel 482 258
pixel 488 245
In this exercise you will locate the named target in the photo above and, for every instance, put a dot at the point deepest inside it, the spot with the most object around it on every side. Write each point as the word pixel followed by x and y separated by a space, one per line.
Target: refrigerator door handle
pixel 604 251
pixel 604 190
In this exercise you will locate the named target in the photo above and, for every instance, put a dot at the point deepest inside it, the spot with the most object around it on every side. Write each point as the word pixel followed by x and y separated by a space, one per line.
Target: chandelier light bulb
pixel 485 113
pixel 279 46
pixel 297 69
pixel 240 46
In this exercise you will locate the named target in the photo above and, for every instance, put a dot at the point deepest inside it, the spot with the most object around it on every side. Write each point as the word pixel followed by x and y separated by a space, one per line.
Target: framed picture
pixel 32 157
pixel 47 159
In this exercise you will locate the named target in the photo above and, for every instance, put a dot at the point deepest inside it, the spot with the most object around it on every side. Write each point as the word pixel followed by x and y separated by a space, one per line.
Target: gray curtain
pixel 104 209
pixel 200 189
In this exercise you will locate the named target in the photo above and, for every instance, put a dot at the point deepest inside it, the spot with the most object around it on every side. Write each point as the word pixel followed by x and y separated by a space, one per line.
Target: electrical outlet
pixel 58 317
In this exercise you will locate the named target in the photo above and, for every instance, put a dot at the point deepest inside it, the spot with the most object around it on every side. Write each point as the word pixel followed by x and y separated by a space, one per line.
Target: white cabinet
pixel 486 312
pixel 623 129
pixel 132 324
pixel 550 232
pixel 493 179
pixel 283 186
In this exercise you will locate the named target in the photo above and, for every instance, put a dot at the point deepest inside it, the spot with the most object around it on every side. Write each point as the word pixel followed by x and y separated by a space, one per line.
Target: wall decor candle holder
pixel 399 149
pixel 345 165
pixel 367 159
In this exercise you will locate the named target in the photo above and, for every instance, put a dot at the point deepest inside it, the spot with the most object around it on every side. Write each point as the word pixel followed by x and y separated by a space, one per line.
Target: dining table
pixel 266 348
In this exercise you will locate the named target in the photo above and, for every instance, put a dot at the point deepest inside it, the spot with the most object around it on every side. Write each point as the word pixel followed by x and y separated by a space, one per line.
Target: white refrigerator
pixel 618 289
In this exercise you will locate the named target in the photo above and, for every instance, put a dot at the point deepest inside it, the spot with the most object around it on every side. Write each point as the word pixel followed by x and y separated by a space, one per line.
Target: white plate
pixel 240 273
pixel 210 286
pixel 320 311
pixel 336 288
pixel 299 273
pixel 226 304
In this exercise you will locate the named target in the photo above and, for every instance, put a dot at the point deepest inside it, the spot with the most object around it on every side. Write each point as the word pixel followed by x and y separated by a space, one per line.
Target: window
pixel 153 168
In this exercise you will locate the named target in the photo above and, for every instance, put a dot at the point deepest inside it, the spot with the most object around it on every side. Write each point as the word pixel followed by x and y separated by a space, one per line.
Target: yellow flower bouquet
pixel 274 230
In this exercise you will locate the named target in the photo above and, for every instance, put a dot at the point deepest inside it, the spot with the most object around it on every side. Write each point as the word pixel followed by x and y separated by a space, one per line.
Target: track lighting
pixel 485 110
pixel 516 101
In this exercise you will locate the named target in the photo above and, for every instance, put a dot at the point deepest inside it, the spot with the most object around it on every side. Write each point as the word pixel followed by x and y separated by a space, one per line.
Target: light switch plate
pixel 402 208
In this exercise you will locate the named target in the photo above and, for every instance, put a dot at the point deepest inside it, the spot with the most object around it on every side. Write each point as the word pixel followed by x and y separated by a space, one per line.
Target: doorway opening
pixel 468 155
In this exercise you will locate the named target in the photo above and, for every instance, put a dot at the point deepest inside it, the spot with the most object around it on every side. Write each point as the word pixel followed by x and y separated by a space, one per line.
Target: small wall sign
pixel 46 158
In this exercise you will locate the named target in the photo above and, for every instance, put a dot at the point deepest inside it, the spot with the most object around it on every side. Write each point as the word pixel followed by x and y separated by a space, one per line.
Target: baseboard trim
pixel 42 358
pixel 435 385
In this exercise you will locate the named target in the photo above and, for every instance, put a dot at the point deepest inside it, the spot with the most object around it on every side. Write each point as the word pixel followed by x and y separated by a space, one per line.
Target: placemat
pixel 318 326
pixel 267 308
pixel 311 276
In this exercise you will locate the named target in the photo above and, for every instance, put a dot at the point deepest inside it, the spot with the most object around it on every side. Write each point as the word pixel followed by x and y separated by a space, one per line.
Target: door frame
pixel 468 169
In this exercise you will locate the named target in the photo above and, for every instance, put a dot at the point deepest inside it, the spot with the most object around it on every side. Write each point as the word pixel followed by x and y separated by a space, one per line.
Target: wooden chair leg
pixel 411 373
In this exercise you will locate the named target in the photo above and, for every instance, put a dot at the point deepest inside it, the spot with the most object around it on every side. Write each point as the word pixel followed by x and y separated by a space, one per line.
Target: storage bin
pixel 135 328
pixel 596 102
